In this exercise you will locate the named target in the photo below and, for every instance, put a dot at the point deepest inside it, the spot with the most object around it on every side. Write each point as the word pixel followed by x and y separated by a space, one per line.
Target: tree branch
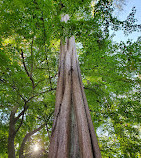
pixel 41 93
pixel 48 69
pixel 26 107
pixel 26 70
pixel 20 123
pixel 38 83
pixel 46 50
pixel 31 57
pixel 36 130
pixel 22 113
pixel 22 97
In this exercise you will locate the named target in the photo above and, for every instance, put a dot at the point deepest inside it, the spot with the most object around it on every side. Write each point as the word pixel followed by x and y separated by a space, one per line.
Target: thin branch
pixel 13 87
pixel 41 68
pixel 38 117
pixel 44 80
pixel 48 68
pixel 24 64
pixel 41 93
pixel 38 83
pixel 31 57
pixel 36 130
pixel 26 107
pixel 27 72
pixel 22 112
pixel 46 50
pixel 20 123
pixel 22 97
pixel 3 80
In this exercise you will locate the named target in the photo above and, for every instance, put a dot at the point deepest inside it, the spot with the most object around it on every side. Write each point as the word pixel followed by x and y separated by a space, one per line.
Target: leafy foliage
pixel 30 33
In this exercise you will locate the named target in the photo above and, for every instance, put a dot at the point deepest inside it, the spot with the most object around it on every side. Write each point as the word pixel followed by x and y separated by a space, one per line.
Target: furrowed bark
pixel 73 133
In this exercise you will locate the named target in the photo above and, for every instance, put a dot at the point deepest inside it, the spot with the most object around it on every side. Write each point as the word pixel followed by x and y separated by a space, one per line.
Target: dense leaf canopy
pixel 30 33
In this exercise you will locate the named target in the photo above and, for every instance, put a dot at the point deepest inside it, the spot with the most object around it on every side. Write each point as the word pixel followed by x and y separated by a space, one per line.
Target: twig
pixel 38 83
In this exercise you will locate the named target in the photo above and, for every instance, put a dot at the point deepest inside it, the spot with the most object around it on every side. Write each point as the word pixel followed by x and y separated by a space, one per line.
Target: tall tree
pixel 73 133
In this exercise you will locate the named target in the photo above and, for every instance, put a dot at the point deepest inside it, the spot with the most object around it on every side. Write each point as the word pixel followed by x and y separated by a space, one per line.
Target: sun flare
pixel 36 147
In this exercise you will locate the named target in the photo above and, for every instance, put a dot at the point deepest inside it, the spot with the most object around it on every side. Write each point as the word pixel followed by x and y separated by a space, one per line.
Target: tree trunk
pixel 27 136
pixel 11 137
pixel 73 133
pixel 21 150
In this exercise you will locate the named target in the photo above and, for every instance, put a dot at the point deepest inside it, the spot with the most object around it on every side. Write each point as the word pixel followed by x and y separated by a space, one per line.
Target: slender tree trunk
pixel 11 137
pixel 11 148
pixel 21 150
pixel 27 136
pixel 73 133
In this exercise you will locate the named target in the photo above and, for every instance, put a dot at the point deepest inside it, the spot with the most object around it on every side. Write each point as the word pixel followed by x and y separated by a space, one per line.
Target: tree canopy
pixel 30 33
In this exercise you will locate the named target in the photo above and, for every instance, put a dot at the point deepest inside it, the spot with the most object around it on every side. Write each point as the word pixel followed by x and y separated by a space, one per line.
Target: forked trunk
pixel 73 134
